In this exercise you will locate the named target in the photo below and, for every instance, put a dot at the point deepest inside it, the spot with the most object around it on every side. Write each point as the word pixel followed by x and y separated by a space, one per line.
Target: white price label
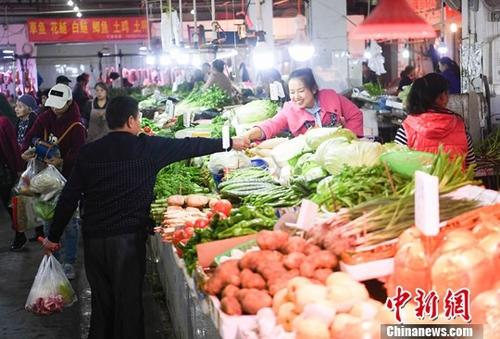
pixel 226 138
pixel 307 214
pixel 427 203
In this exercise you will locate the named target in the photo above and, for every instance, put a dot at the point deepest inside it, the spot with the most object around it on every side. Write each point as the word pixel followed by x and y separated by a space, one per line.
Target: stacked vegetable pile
pixel 179 178
pixel 254 112
pixel 199 100
pixel 246 285
pixel 243 221
pixel 385 218
pixel 488 152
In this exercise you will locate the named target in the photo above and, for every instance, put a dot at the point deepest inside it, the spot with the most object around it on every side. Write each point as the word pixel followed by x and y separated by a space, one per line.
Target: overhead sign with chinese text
pixel 86 30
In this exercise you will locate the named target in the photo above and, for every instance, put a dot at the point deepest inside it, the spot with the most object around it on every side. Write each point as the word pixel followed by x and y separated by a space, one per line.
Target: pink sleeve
pixel 353 116
pixel 276 125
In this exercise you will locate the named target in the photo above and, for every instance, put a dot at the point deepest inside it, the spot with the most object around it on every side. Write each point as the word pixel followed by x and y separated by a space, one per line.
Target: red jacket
pixel 294 119
pixel 9 150
pixel 70 145
pixel 427 131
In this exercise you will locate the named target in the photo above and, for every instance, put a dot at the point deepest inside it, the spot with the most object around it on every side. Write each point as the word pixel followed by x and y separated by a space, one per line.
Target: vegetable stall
pixel 238 259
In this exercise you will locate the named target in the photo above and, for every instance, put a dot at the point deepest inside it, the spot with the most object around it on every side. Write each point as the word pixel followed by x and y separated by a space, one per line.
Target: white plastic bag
pixel 227 160
pixel 51 290
pixel 48 183
pixel 23 185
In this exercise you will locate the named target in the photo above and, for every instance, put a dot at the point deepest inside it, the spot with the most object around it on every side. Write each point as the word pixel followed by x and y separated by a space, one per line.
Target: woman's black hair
pixel 424 92
pixel 452 65
pixel 218 65
pixel 102 85
pixel 307 77
pixel 119 110
pixel 408 69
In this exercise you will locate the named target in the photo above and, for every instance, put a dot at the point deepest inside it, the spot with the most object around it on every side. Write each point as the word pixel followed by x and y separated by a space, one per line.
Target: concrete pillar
pixel 266 24
pixel 328 26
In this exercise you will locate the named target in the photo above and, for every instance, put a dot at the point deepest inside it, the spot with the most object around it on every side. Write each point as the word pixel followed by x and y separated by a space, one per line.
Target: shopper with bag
pixel 57 136
pixel 10 165
pixel 116 175
pixel 25 111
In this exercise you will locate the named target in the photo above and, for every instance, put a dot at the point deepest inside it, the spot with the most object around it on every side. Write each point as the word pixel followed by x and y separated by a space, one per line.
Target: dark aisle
pixel 17 271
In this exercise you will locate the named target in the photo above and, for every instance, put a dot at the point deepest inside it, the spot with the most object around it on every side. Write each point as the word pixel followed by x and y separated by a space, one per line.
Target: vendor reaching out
pixel 309 107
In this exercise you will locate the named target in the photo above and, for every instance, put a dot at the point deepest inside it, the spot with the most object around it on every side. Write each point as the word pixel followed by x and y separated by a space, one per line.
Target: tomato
pixel 210 215
pixel 189 224
pixel 223 206
pixel 188 232
pixel 201 223
pixel 178 235
pixel 147 129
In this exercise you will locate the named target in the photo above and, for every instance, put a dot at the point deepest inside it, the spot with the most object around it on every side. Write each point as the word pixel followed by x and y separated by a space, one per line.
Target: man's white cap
pixel 59 95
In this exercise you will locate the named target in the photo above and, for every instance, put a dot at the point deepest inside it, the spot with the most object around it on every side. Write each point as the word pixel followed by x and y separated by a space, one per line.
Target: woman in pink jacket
pixel 309 107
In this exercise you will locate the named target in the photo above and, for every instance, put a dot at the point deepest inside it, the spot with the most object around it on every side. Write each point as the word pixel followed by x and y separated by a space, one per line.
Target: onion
pixel 411 267
pixel 465 267
pixel 486 311
pixel 364 329
pixel 341 322
pixel 491 245
pixel 411 235
pixel 366 310
pixel 457 238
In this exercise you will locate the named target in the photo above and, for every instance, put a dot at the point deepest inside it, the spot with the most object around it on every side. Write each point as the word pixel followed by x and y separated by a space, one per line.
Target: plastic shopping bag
pixel 24 214
pixel 23 185
pixel 48 183
pixel 51 290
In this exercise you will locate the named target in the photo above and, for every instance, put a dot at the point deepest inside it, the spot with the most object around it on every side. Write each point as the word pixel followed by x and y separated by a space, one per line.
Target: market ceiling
pixel 15 11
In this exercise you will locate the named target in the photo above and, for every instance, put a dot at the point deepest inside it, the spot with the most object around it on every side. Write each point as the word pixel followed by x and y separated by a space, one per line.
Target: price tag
pixel 273 91
pixel 307 215
pixel 427 203
pixel 281 91
pixel 226 139
pixel 186 119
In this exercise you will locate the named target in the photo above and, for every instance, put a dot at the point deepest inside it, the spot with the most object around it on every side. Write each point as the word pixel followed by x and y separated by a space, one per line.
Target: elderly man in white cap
pixel 60 126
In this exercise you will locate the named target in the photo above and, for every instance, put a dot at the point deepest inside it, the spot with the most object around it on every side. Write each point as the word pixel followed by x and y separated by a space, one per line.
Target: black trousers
pixel 5 199
pixel 115 268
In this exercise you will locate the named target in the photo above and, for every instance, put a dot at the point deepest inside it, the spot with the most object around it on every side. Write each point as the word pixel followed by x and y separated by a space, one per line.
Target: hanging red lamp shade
pixel 393 19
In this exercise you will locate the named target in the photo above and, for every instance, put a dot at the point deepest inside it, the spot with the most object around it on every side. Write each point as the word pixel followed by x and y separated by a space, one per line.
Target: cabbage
pixel 305 162
pixel 255 111
pixel 393 147
pixel 287 150
pixel 315 136
pixel 333 154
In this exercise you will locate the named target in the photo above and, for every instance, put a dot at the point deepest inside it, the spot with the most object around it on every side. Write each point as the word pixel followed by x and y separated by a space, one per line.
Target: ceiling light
pixel 406 52
pixel 453 27
pixel 150 60
pixel 263 56
pixel 143 48
pixel 193 11
pixel 70 3
pixel 301 48
pixel 8 51
pixel 442 48
pixel 367 54
pixel 165 60
pixel 76 8
pixel 79 14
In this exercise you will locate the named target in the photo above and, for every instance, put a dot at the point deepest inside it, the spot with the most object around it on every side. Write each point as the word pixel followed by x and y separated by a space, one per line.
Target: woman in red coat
pixel 430 124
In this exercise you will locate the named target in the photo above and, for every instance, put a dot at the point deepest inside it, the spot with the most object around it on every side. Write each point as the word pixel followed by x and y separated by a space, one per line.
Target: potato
pixel 175 200
pixel 311 248
pixel 252 300
pixel 286 315
pixel 272 240
pixel 230 291
pixel 294 260
pixel 295 244
pixel 280 298
pixel 321 259
pixel 322 274
pixel 195 200
pixel 252 280
pixel 231 306
pixel 252 259
pixel 214 285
